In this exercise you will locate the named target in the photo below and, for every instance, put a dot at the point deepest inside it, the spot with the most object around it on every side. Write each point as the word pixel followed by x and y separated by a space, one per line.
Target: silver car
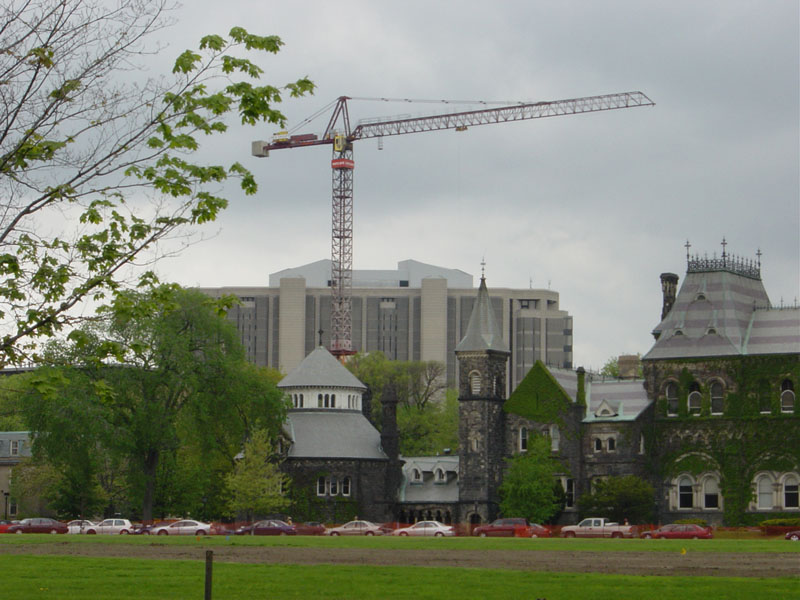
pixel 426 528
pixel 79 526
pixel 356 528
pixel 185 527
pixel 111 526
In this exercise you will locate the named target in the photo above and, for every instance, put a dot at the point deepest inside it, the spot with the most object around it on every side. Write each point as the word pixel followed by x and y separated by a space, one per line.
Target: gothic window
pixel 717 400
pixel 346 486
pixel 319 400
pixel 439 475
pixel 764 492
pixel 334 486
pixel 333 400
pixel 787 396
pixel 327 400
pixel 672 398
pixel 695 399
pixel 791 493
pixel 569 491
pixel 598 444
pixel 685 492
pixel 612 444
pixel 321 487
pixel 641 443
pixel 475 383
pixel 711 493
pixel 523 439
pixel 764 401
pixel 555 438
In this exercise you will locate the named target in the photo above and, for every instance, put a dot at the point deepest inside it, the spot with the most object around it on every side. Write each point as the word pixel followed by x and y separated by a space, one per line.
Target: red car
pixel 38 525
pixel 793 535
pixel 268 527
pixel 680 531
pixel 512 526
pixel 310 528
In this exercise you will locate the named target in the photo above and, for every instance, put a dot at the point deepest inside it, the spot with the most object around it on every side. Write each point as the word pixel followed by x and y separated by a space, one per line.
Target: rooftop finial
pixel 724 245
pixel 483 267
pixel 758 254
pixel 687 245
pixel 320 336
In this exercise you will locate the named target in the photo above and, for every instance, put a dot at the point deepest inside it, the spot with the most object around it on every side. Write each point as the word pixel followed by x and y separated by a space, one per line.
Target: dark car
pixel 680 531
pixel 310 528
pixel 268 527
pixel 793 535
pixel 5 524
pixel 38 525
pixel 511 526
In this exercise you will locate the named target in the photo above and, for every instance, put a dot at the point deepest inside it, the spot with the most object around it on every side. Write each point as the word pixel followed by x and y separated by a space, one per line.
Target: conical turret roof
pixel 483 332
pixel 320 368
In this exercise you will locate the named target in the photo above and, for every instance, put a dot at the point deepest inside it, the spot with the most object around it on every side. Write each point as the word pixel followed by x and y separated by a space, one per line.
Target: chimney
pixel 669 289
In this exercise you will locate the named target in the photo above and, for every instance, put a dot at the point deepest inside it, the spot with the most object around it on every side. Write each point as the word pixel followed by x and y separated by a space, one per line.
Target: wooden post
pixel 209 564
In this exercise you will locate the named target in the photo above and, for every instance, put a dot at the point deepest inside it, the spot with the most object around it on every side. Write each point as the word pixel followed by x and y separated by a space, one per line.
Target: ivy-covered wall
pixel 737 444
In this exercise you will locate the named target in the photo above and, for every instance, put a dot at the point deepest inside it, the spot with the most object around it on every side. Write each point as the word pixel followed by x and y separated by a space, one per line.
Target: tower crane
pixel 341 136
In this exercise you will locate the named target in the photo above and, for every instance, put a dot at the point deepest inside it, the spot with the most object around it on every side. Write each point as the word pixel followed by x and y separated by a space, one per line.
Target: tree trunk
pixel 149 467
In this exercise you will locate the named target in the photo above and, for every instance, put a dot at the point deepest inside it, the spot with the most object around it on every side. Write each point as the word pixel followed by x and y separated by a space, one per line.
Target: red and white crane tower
pixel 340 136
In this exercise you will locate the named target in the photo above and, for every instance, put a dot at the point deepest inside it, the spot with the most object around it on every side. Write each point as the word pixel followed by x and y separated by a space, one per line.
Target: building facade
pixel 417 312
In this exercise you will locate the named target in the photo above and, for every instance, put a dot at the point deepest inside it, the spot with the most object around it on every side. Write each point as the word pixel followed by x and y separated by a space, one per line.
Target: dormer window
pixel 416 476
pixel 439 475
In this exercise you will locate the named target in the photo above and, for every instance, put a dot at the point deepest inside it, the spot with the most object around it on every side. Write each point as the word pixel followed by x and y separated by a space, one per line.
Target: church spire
pixel 483 332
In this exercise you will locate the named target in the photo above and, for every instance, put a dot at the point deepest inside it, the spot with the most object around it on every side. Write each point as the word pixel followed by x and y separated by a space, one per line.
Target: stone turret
pixel 669 290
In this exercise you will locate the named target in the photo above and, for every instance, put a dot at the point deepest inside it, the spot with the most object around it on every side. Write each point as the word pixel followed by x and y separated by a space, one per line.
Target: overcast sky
pixel 593 206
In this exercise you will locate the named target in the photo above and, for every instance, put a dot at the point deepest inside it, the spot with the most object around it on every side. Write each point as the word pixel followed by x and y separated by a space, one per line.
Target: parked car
pixel 268 527
pixel 185 527
pixel 356 528
pixel 597 527
pixel 5 524
pixel 793 535
pixel 511 526
pixel 680 531
pixel 111 526
pixel 38 525
pixel 79 526
pixel 310 528
pixel 426 529
pixel 147 528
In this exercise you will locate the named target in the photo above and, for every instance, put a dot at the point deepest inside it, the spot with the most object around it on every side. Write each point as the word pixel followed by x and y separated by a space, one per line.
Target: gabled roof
pixel 614 399
pixel 724 310
pixel 483 333
pixel 321 369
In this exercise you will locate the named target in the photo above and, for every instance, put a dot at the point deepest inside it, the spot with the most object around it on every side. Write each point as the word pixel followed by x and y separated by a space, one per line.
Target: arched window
pixel 321 486
pixel 416 476
pixel 475 383
pixel 685 492
pixel 319 400
pixel 717 400
pixel 439 475
pixel 598 444
pixel 711 493
pixel 334 486
pixel 327 400
pixel 764 401
pixel 672 398
pixel 641 443
pixel 301 400
pixel 764 492
pixel 346 486
pixel 791 494
pixel 523 439
pixel 787 396
pixel 333 400
pixel 695 399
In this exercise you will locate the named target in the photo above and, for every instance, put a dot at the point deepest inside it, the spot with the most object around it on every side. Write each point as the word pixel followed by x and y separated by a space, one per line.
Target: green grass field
pixel 26 576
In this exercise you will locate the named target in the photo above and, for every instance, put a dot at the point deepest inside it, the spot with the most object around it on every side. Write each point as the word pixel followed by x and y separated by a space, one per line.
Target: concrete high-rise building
pixel 416 312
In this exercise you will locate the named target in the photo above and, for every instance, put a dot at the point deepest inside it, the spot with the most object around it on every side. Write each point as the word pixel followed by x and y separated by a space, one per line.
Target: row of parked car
pixel 507 527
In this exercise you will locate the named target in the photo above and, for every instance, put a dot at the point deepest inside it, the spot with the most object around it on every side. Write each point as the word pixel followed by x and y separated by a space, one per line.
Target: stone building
pixel 714 424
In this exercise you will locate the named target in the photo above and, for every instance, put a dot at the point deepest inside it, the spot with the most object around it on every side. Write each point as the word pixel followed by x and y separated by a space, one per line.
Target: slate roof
pixel 483 333
pixel 331 434
pixel 429 490
pixel 725 312
pixel 321 369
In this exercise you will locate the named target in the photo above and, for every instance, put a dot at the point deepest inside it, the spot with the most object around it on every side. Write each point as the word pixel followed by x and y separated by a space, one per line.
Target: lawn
pixel 27 577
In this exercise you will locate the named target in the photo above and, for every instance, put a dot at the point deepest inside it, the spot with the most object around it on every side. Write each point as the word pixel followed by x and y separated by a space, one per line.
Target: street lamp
pixel 5 496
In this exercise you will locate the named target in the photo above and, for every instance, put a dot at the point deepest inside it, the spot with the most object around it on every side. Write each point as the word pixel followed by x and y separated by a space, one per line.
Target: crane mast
pixel 340 136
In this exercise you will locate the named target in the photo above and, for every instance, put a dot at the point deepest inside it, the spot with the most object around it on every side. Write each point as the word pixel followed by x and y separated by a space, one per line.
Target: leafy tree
pixel 256 483
pixel 620 498
pixel 426 381
pixel 96 160
pixel 430 430
pixel 527 489
pixel 611 368
pixel 11 393
pixel 176 356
